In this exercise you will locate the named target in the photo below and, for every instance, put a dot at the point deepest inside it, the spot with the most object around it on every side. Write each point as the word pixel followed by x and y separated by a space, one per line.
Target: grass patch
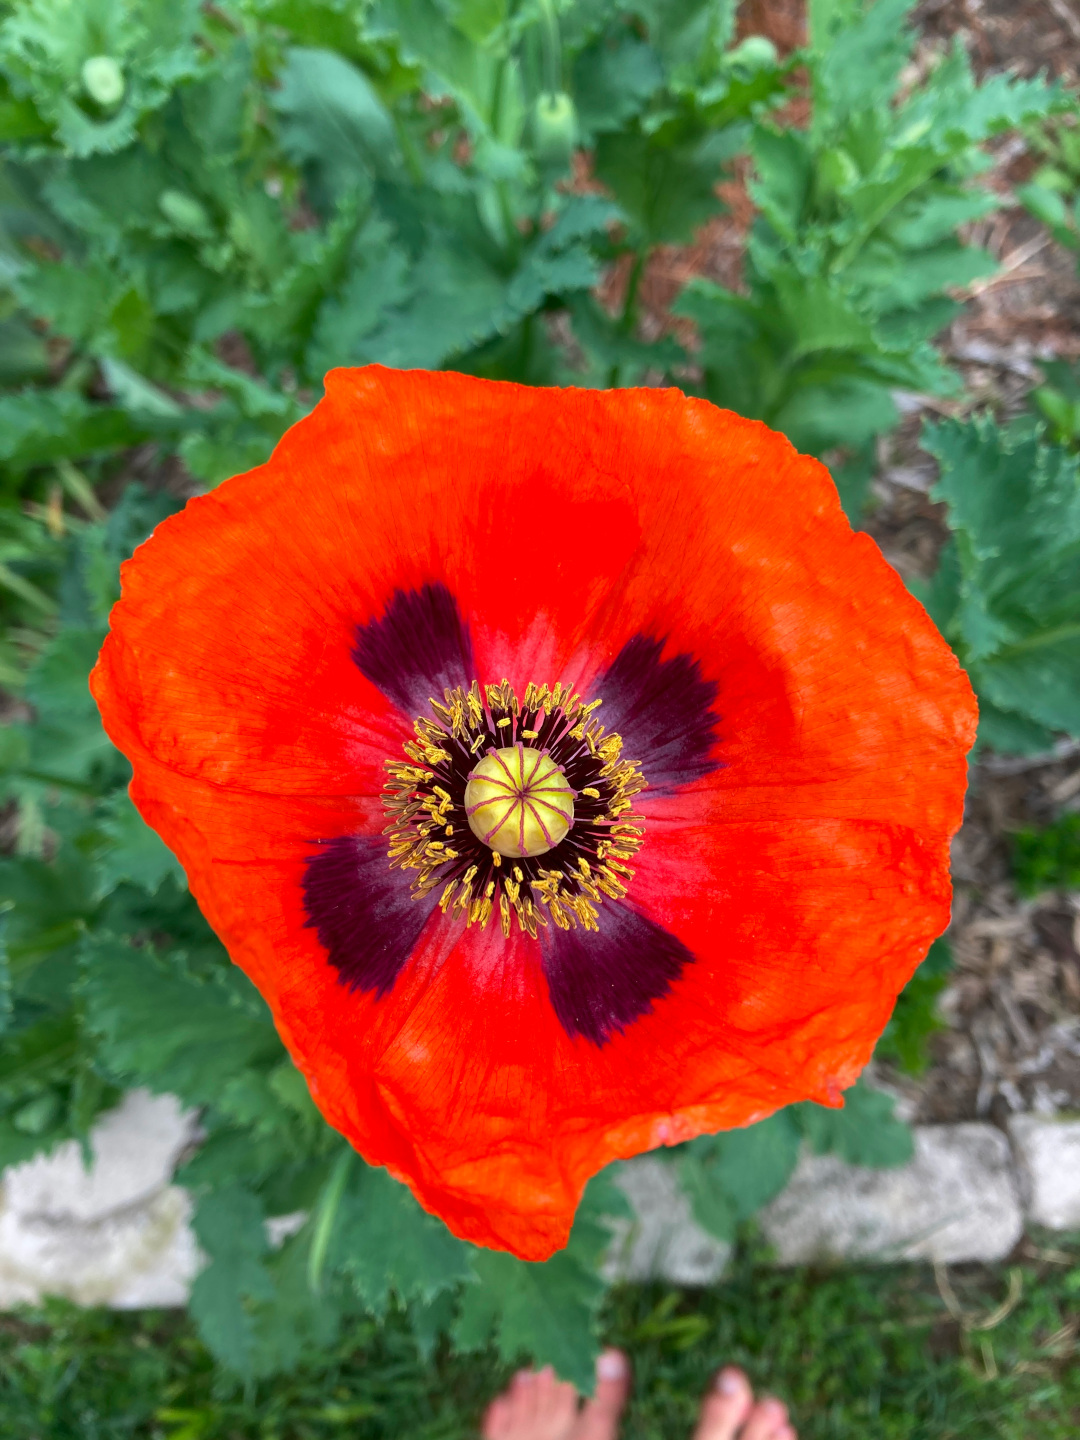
pixel 855 1353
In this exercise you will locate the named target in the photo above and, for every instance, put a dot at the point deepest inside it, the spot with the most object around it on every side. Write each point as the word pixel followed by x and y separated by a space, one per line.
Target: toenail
pixel 611 1365
pixel 729 1382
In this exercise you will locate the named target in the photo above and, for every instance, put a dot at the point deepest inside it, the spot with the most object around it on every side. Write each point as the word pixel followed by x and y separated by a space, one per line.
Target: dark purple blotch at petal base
pixel 419 648
pixel 366 919
pixel 663 711
pixel 602 981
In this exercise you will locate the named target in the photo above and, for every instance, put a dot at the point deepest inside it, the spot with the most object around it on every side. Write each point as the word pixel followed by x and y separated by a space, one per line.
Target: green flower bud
pixel 103 80
pixel 185 213
pixel 757 52
pixel 554 128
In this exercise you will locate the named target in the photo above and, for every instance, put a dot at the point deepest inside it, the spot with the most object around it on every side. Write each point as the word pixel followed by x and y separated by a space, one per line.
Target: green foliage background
pixel 202 209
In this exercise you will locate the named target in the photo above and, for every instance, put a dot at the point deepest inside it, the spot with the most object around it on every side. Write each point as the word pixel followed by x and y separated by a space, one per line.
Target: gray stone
pixel 1048 1152
pixel 956 1200
pixel 115 1234
pixel 663 1241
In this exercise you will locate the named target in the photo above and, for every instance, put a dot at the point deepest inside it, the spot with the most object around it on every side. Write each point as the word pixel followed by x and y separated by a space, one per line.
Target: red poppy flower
pixel 566 774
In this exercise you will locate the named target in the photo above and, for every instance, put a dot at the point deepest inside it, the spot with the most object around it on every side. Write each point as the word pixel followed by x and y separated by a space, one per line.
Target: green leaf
pixel 134 852
pixel 24 356
pixel 67 743
pixel 5 975
pixel 861 62
pixel 228 1224
pixel 546 1311
pixel 952 108
pixel 1048 859
pixel 915 1017
pixel 755 1163
pixel 666 187
pixel 712 1207
pixel 38 427
pixel 689 36
pixel 864 1132
pixel 1009 733
pixel 162 1027
pixel 613 81
pixel 729 1177
pixel 389 1246
pixel 45 46
pixel 49 906
pixel 784 162
pixel 1014 506
pixel 39 1053
pixel 333 119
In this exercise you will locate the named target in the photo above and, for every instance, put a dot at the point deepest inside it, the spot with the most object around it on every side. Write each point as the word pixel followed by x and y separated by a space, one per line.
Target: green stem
pixel 326 1216
pixel 628 319
pixel 550 47
pixel 629 312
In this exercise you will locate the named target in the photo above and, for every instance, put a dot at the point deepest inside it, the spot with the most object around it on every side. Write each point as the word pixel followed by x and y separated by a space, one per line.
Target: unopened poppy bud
pixel 554 127
pixel 757 52
pixel 518 802
pixel 184 212
pixel 103 80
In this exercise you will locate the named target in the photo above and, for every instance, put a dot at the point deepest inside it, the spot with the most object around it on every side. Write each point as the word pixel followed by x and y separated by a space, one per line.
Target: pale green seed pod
pixel 554 128
pixel 756 52
pixel 103 80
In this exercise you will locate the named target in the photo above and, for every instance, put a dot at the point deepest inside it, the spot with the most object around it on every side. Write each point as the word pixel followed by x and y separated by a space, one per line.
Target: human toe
pixel 725 1407
pixel 768 1420
pixel 556 1407
pixel 599 1418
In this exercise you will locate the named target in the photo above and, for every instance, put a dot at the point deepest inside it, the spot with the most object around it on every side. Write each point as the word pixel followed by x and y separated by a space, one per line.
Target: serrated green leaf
pixel 666 188
pixel 162 1027
pixel 133 852
pixel 864 1132
pixel 755 1162
pixel 228 1224
pixel 784 164
pixel 1014 505
pixel 953 108
pixel 389 1246
pixel 613 80
pixel 546 1311
pixel 1009 733
pixel 134 518
pixel 295 1321
pixel 45 44
pixel 861 61
pixel 688 35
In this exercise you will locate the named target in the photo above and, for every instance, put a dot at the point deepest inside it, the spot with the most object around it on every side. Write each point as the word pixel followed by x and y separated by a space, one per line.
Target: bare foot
pixel 536 1406
pixel 729 1410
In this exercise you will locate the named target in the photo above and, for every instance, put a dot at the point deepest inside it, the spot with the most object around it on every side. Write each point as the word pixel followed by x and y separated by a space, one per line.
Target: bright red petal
pixel 807 876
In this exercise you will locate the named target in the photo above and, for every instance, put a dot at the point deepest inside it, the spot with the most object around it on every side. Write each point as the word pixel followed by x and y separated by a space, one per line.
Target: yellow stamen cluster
pixel 429 830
